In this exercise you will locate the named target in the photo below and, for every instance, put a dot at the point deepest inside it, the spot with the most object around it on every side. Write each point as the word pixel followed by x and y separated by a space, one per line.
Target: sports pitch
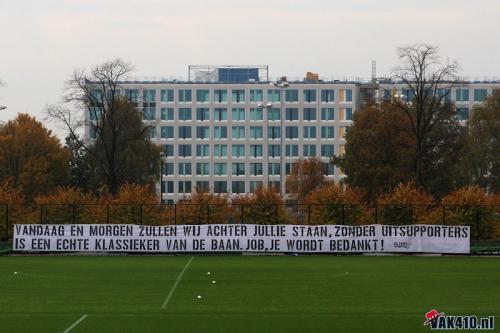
pixel 251 293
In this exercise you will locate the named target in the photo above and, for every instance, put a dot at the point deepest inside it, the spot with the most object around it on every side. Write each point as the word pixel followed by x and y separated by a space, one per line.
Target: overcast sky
pixel 43 41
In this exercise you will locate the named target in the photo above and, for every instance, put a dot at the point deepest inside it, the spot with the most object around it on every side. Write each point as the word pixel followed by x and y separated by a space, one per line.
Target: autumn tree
pixel 483 145
pixel 428 83
pixel 378 151
pixel 264 205
pixel 305 176
pixel 116 141
pixel 31 157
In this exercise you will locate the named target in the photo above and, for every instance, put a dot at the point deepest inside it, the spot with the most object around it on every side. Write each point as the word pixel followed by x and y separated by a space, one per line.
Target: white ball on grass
pixel 213 281
pixel 199 296
pixel 208 273
pixel 15 273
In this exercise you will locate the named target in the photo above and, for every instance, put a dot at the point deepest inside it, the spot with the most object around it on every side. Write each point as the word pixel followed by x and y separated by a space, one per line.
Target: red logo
pixel 432 315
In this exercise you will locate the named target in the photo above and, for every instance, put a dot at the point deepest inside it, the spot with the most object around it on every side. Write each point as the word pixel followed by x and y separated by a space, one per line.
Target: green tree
pixel 117 146
pixel 483 145
pixel 31 157
pixel 378 151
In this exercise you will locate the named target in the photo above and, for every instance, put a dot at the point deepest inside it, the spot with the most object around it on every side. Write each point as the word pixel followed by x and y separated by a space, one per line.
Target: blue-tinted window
pixel 273 114
pixel 291 150
pixel 238 169
pixel 348 95
pixel 220 186
pixel 167 132
pixel 168 150
pixel 274 150
pixel 149 113
pixel 348 114
pixel 238 114
pixel 327 150
pixel 291 114
pixel 309 150
pixel 202 96
pixel 168 169
pixel 309 114
pixel 220 169
pixel 463 113
pixel 202 132
pixel 184 169
pixel 292 132
pixel 274 169
pixel 256 169
pixel 220 96
pixel 149 95
pixel 184 132
pixel 220 150
pixel 238 132
pixel 292 95
pixel 185 114
pixel 132 95
pixel 255 150
pixel 184 150
pixel 220 132
pixel 203 169
pixel 273 95
pixel 328 95
pixel 480 95
pixel 167 114
pixel 309 95
pixel 274 132
pixel 309 132
pixel 256 114
pixel 238 187
pixel 185 95
pixel 256 96
pixel 327 132
pixel 152 132
pixel 255 132
pixel 238 96
pixel 220 114
pixel 238 150
pixel 185 187
pixel 167 95
pixel 202 114
pixel 462 95
pixel 327 114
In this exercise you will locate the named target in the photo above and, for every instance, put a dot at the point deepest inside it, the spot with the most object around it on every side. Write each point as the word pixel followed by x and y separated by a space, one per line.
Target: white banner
pixel 241 238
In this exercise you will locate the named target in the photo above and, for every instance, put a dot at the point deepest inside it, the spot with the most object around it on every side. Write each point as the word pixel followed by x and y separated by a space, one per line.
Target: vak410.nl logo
pixel 440 321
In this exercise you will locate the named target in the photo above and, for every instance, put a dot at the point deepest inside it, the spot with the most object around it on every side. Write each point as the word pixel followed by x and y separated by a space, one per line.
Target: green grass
pixel 252 294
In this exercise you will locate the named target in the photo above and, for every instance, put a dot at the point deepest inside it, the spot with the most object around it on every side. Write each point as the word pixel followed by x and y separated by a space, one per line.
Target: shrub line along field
pixel 241 293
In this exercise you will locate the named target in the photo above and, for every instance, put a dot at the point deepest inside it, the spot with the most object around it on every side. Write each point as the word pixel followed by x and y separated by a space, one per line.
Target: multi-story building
pixel 230 129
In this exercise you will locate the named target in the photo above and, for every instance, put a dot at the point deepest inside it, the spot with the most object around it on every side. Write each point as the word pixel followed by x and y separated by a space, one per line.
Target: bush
pixel 263 206
pixel 203 208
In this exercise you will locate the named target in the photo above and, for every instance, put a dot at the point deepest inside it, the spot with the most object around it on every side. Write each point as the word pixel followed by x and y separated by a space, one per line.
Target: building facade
pixel 230 130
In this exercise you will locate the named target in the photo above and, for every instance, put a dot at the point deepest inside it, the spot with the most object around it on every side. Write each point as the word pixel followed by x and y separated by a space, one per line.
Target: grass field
pixel 251 294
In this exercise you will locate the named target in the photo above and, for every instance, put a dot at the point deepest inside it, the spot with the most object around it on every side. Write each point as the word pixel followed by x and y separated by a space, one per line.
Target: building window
pixel 203 169
pixel 185 114
pixel 238 96
pixel 462 95
pixel 184 95
pixel 202 96
pixel 292 132
pixel 220 132
pixel 327 114
pixel 184 150
pixel 169 150
pixel 202 132
pixel 168 169
pixel 291 150
pixel 238 187
pixel 255 114
pixel 255 169
pixel 132 95
pixel 238 169
pixel 309 114
pixel 184 169
pixel 292 95
pixel 274 150
pixel 274 132
pixel 309 150
pixel 480 95
pixel 220 114
pixel 202 150
pixel 238 132
pixel 184 132
pixel 348 95
pixel 444 94
pixel 185 187
pixel 463 113
pixel 273 114
pixel 220 169
pixel 149 95
pixel 329 169
pixel 327 150
pixel 291 114
pixel 167 187
pixel 255 132
pixel 309 132
pixel 220 150
pixel 255 150
pixel 256 96
pixel 328 95
pixel 202 186
pixel 167 95
pixel 238 150
pixel 238 114
pixel 220 186
pixel 309 95
pixel 408 94
pixel 167 132
pixel 167 114
pixel 274 169
pixel 254 184
pixel 327 132
pixel 220 96
pixel 273 95
pixel 348 114
pixel 202 114
pixel 149 113
pixel 152 132
pixel 288 168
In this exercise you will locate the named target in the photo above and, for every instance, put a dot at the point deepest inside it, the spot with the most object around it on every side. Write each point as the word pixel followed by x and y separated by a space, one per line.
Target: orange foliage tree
pixel 405 204
pixel 334 203
pixel 11 201
pixel 471 206
pixel 202 207
pixel 31 157
pixel 305 176
pixel 263 206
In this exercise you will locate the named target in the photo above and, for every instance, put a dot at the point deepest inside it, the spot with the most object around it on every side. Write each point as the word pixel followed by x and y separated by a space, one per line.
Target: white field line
pixel 164 305
pixel 82 318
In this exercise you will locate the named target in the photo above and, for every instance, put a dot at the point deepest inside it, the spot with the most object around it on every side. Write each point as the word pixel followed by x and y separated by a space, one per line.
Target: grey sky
pixel 42 42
